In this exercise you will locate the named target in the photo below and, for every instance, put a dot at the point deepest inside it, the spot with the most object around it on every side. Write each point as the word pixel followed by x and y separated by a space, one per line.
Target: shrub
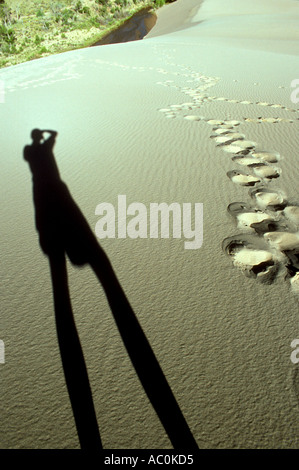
pixel 81 9
pixel 86 10
pixel 46 24
pixel 32 55
pixel 40 13
pixel 38 40
pixel 3 62
pixel 78 6
pixel 6 15
pixel 7 35
pixel 55 8
pixel 43 50
pixel 96 21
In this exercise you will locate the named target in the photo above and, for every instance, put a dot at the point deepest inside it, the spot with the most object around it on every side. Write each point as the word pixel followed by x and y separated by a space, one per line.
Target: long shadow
pixel 63 230
pixel 50 195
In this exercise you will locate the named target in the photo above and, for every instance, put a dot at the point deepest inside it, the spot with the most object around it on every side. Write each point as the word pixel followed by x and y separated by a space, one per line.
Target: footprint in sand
pixel 232 148
pixel 243 179
pixel 252 219
pixel 283 241
pixel 247 161
pixel 270 120
pixel 288 244
pixel 193 118
pixel 214 122
pixel 252 256
pixel 269 157
pixel 224 140
pixel 263 103
pixel 221 130
pixel 292 214
pixel 245 144
pixel 248 220
pixel 269 199
pixel 227 138
pixel 232 123
pixel 236 208
pixel 238 145
pixel 267 172
pixel 224 128
pixel 187 106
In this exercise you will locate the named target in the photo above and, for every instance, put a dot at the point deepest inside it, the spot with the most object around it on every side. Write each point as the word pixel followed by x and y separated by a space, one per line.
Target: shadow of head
pixel 37 136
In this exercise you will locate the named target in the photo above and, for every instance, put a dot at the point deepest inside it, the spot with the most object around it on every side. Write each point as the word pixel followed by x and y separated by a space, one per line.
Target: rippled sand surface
pixel 185 115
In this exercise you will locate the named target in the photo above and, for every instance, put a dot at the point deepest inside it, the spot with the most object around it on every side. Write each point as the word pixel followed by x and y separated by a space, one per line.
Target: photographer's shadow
pixel 63 230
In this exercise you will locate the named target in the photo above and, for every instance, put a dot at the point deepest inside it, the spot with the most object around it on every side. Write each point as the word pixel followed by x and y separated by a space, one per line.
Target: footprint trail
pixel 267 247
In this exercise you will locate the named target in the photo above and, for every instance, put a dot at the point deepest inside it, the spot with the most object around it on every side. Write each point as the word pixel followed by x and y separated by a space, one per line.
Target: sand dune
pixel 200 111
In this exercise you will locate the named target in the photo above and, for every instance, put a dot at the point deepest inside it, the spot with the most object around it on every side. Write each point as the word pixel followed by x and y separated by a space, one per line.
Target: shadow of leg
pixel 142 356
pixel 72 358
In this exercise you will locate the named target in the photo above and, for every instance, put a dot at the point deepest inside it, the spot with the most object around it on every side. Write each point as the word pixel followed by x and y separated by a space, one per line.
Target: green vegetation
pixel 32 29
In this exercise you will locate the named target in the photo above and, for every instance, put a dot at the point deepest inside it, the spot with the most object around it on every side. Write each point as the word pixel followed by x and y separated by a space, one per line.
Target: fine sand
pixel 200 111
